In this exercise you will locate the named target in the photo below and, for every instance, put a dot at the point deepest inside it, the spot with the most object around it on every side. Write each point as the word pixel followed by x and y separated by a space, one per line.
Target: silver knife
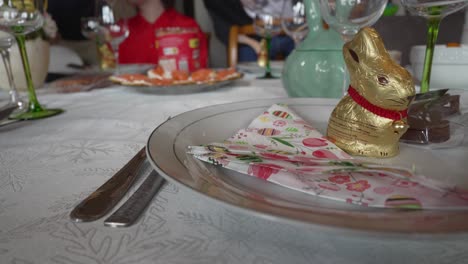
pixel 6 122
pixel 133 208
pixel 110 193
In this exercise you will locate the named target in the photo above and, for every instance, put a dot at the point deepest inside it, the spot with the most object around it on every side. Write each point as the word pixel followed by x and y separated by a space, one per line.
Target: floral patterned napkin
pixel 280 147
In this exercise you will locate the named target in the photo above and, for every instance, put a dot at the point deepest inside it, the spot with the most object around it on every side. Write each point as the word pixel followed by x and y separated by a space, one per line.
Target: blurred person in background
pixel 152 15
pixel 67 14
pixel 226 13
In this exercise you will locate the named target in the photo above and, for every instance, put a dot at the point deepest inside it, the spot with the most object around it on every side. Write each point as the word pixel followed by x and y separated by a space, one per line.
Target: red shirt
pixel 139 47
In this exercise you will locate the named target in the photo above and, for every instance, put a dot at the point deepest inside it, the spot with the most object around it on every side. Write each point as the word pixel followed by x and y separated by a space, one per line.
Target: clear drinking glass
pixel 293 20
pixel 20 17
pixel 347 17
pixel 111 30
pixel 89 27
pixel 5 46
pixel 434 11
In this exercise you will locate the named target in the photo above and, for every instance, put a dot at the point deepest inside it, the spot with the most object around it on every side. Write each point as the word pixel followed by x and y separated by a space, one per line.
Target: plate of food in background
pixel 160 81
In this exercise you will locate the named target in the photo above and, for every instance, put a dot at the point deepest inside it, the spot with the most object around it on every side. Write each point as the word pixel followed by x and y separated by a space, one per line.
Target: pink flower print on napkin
pixel 359 186
pixel 340 179
pixel 280 147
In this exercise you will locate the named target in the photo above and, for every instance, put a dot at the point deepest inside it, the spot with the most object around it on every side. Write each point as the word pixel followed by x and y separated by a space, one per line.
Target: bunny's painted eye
pixel 383 80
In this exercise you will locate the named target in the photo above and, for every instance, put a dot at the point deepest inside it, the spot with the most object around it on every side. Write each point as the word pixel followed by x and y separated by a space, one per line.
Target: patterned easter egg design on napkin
pixel 217 149
pixel 324 154
pixel 263 171
pixel 403 202
pixel 282 114
pixel 314 142
pixel 268 132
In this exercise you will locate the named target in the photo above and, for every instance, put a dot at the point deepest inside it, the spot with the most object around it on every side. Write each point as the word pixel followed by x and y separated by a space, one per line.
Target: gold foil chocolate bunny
pixel 371 118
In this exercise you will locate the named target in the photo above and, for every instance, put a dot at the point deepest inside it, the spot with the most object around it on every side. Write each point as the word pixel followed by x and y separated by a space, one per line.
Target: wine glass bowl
pixel 89 27
pixel 19 18
pixel 267 25
pixel 347 17
pixel 115 34
pixel 109 29
pixel 293 20
pixel 434 11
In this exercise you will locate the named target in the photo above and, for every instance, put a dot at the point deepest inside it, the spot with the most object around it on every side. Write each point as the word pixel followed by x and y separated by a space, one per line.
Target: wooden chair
pixel 239 35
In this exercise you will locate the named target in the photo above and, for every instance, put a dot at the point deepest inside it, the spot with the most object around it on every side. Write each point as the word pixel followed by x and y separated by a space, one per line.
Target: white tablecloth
pixel 48 166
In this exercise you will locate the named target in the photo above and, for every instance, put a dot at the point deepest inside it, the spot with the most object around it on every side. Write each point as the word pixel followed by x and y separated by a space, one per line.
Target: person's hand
pixel 253 43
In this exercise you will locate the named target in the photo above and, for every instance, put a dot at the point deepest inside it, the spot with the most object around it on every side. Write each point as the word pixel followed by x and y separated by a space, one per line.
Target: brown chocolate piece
pixel 427 122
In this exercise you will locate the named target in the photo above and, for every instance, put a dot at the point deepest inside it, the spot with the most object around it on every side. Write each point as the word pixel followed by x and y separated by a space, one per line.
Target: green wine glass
pixel 20 17
pixel 434 11
pixel 267 25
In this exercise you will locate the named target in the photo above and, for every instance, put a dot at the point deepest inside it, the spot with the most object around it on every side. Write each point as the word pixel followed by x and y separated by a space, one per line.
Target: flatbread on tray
pixel 158 77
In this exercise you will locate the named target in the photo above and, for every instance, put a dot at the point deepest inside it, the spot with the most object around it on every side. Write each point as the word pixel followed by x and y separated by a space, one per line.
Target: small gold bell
pixel 399 126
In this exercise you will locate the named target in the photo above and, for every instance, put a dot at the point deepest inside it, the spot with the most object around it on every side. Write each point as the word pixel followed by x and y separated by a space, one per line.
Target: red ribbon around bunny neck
pixel 390 114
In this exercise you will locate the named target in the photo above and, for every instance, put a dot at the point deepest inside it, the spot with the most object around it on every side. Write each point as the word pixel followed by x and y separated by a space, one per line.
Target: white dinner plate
pixel 167 147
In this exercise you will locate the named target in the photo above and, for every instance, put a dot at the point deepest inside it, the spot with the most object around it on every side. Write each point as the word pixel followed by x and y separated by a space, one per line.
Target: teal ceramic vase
pixel 316 67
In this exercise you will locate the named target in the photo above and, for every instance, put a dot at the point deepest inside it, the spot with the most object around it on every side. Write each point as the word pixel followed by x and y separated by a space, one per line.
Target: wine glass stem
pixel 34 105
pixel 115 48
pixel 267 63
pixel 432 32
pixel 14 98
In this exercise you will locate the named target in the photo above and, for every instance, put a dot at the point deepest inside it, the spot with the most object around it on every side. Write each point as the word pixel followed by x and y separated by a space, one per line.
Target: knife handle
pixel 110 193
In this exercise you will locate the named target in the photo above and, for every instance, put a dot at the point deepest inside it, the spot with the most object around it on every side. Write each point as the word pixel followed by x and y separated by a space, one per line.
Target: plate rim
pixel 422 214
pixel 184 88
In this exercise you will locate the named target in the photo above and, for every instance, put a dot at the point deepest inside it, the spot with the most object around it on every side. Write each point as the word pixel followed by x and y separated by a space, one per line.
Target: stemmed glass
pixel 111 30
pixel 347 17
pixel 434 11
pixel 5 44
pixel 293 20
pixel 267 25
pixel 19 18
pixel 89 27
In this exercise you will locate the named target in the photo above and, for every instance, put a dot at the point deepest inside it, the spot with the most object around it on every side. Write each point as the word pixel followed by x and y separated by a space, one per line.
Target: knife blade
pixel 6 122
pixel 134 207
pixel 110 193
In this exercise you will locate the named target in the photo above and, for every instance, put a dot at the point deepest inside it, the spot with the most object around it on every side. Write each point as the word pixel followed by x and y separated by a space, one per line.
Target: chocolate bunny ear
pixel 367 47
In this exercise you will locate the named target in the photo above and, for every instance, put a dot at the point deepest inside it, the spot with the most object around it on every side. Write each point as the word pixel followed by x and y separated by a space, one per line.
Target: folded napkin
pixel 280 147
